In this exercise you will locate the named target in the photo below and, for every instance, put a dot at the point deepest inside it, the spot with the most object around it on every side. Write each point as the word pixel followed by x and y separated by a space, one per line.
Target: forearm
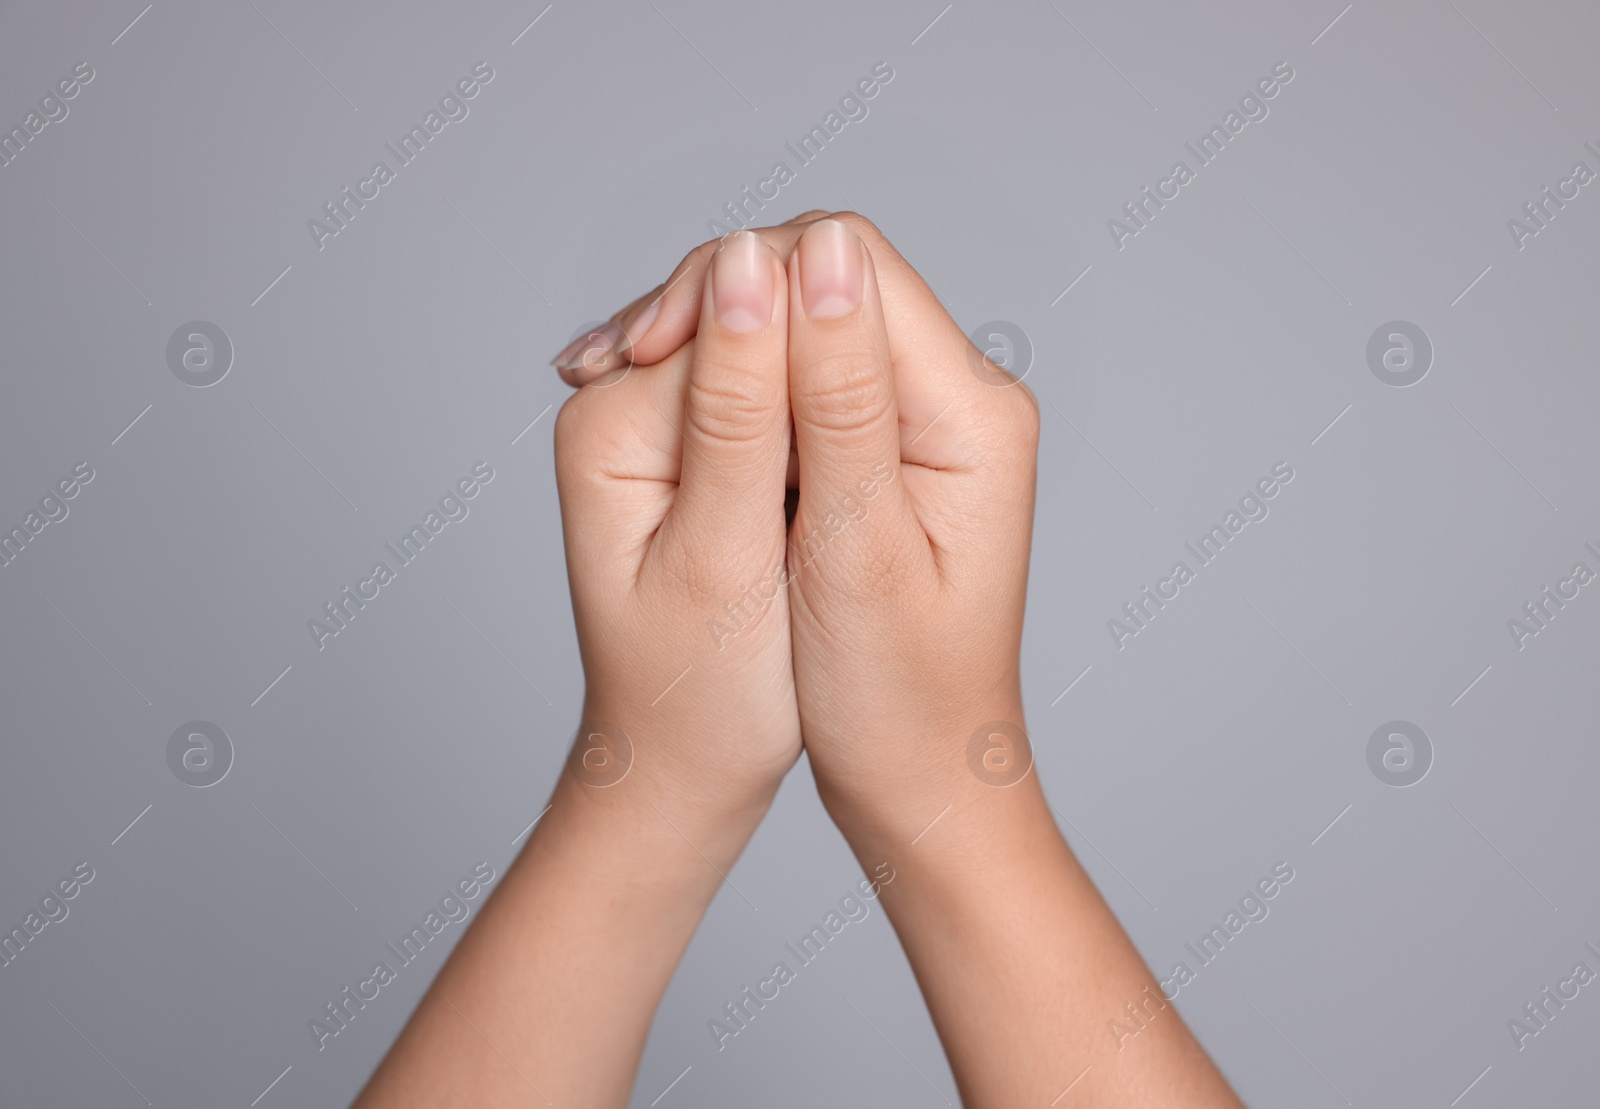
pixel 549 997
pixel 1022 963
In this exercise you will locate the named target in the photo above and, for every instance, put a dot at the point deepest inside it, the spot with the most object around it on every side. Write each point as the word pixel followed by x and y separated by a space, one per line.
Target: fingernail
pixel 741 283
pixel 591 346
pixel 635 328
pixel 830 270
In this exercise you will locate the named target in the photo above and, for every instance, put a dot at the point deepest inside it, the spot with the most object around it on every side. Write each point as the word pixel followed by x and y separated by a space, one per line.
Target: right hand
pixel 913 533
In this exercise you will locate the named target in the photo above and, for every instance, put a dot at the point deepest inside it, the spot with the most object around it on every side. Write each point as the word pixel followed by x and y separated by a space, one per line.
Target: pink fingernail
pixel 637 328
pixel 830 270
pixel 741 283
pixel 589 347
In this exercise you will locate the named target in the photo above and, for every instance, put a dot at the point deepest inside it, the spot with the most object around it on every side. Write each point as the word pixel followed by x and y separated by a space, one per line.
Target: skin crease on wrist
pixel 812 355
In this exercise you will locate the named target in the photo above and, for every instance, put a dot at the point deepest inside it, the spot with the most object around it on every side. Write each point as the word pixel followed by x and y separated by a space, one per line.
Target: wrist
pixel 655 820
pixel 890 784
pixel 715 765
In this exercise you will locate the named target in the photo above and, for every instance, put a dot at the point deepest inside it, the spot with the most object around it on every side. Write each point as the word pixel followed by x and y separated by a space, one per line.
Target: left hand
pixel 672 499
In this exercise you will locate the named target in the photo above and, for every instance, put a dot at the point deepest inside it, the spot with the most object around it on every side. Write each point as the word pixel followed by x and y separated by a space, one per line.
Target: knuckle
pixel 727 405
pixel 570 423
pixel 1024 415
pixel 861 225
pixel 699 255
pixel 573 442
pixel 844 391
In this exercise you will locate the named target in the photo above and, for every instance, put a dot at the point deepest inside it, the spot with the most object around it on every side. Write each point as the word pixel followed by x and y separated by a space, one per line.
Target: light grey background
pixel 1226 337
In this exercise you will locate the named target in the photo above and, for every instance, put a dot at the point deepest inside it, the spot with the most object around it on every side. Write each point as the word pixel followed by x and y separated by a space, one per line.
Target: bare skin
pixel 890 642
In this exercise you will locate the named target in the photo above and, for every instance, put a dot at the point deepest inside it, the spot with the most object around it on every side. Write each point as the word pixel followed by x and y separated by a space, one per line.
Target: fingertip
pixel 831 262
pixel 637 321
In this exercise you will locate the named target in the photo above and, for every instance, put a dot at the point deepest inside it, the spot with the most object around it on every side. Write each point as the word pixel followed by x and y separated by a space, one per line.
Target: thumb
pixel 842 395
pixel 735 409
